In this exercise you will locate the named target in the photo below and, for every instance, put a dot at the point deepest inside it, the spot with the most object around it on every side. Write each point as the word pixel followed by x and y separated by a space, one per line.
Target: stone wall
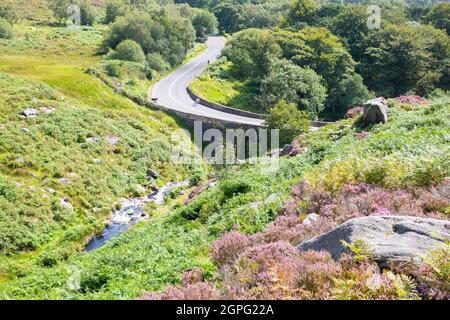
pixel 226 109
pixel 207 121
pixel 223 108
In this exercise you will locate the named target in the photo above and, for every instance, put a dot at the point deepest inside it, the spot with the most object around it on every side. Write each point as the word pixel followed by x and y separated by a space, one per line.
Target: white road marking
pixel 182 101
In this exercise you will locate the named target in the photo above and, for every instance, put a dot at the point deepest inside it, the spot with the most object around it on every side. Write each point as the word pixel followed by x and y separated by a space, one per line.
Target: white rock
pixel 121 219
pixel 30 113
pixel 66 204
pixel 272 198
pixel 93 139
pixel 140 189
pixel 310 218
pixel 64 181
pixel 72 175
pixel 375 111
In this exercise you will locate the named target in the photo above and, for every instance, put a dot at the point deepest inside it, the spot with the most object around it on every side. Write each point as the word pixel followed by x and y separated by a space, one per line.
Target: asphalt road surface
pixel 171 91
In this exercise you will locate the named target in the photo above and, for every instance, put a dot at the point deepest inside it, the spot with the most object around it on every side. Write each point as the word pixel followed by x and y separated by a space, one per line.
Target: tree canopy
pixel 289 82
pixel 169 37
pixel 403 58
pixel 439 17
pixel 251 51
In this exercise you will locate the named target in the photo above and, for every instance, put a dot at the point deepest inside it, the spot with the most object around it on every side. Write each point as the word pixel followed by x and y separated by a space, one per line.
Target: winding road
pixel 171 91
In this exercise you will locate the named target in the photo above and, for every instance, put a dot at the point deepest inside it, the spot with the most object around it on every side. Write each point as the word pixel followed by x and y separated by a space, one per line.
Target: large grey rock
pixel 393 239
pixel 375 111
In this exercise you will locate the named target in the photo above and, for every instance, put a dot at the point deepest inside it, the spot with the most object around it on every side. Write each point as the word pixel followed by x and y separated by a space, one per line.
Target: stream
pixel 131 212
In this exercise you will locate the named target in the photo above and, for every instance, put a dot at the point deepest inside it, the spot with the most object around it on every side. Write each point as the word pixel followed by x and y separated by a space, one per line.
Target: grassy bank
pixel 409 152
pixel 62 170
pixel 219 86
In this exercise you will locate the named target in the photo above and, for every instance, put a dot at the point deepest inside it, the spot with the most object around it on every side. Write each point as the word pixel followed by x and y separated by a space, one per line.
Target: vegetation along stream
pixel 131 212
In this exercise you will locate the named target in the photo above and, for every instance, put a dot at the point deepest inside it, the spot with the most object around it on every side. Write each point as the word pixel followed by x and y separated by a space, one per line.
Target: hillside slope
pixel 63 169
pixel 408 157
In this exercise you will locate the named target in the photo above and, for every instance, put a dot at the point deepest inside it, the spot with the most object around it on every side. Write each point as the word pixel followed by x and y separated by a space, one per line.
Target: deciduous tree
pixel 251 51
pixel 439 17
pixel 289 82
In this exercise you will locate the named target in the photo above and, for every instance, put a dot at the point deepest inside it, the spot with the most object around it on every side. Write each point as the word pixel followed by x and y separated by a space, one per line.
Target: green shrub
pixel 8 13
pixel 198 176
pixel 156 62
pixel 59 8
pixel 289 120
pixel 87 14
pixel 112 69
pixel 5 29
pixel 204 23
pixel 114 9
pixel 128 50
pixel 289 82
pixel 350 92
pixel 170 37
pixel 439 17
pixel 230 188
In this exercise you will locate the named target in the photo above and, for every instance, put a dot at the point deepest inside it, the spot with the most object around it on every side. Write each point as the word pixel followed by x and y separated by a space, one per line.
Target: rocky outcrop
pixel 65 203
pixel 292 149
pixel 152 174
pixel 64 181
pixel 30 113
pixel 375 111
pixel 310 218
pixel 93 139
pixel 47 110
pixel 392 239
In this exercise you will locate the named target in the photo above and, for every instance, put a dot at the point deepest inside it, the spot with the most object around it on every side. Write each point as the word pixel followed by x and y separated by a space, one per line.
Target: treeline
pixel 321 56
pixel 324 58
pixel 155 33
pixel 235 15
